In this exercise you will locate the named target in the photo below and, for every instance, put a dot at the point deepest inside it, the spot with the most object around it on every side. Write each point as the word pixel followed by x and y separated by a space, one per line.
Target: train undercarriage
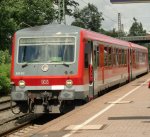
pixel 44 102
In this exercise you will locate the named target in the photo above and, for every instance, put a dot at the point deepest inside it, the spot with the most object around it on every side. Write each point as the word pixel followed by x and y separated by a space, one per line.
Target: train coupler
pixel 45 98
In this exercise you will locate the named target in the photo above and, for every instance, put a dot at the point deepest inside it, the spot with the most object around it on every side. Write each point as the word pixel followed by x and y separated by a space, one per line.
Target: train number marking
pixel 20 73
pixel 44 82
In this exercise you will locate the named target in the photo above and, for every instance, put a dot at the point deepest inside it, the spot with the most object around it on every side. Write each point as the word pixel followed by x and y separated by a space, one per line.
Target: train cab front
pixel 44 72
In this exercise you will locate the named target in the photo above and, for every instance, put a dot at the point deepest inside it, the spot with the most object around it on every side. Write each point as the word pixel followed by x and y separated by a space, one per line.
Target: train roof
pixel 133 45
pixel 49 29
pixel 67 29
pixel 103 38
pixel 107 39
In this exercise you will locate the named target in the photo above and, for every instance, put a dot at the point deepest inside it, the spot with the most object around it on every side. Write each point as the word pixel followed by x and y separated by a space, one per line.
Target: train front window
pixel 46 50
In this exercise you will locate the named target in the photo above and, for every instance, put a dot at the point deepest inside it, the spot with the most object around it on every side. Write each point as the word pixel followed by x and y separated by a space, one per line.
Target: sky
pixel 141 11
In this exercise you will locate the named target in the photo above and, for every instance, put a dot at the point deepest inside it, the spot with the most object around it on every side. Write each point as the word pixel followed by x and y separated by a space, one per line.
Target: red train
pixel 56 64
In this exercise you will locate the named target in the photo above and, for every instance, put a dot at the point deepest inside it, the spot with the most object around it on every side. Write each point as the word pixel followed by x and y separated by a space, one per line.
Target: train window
pixel 133 58
pixel 140 57
pixel 31 54
pixel 125 57
pixel 67 55
pixel 117 57
pixel 94 60
pixel 87 50
pixel 114 57
pixel 109 56
pixel 46 49
pixel 137 57
pixel 96 54
pixel 97 57
pixel 143 57
pixel 86 60
pixel 105 56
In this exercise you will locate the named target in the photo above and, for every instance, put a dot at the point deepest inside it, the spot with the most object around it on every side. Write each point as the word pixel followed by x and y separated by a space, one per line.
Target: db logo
pixel 44 82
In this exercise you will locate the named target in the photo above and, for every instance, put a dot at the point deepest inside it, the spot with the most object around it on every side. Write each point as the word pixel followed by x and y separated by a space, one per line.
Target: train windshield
pixel 46 50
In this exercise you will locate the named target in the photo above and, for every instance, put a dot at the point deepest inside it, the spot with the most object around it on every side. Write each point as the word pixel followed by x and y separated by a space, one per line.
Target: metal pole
pixel 64 12
pixel 59 9
pixel 119 24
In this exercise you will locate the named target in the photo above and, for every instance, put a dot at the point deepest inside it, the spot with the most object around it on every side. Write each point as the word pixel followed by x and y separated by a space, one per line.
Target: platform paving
pixel 123 112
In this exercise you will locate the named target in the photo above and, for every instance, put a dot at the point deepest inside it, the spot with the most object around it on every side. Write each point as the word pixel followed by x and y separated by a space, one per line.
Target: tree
pixel 89 17
pixel 38 12
pixel 70 5
pixel 112 33
pixel 17 14
pixel 137 29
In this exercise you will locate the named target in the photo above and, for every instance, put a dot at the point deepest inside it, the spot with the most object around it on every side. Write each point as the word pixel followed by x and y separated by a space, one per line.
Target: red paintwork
pixel 82 76
pixel 135 46
pixel 12 58
pixel 53 80
pixel 100 37
pixel 136 65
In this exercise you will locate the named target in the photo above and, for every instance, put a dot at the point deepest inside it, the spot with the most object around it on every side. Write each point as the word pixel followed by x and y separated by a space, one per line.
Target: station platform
pixel 123 112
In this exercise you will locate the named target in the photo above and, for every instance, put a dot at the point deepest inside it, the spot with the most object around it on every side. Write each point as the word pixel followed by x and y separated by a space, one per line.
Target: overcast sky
pixel 141 11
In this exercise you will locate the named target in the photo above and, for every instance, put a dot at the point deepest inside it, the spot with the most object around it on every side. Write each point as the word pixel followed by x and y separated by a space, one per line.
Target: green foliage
pixel 78 23
pixel 112 33
pixel 137 29
pixel 17 14
pixel 4 79
pixel 37 12
pixel 4 72
pixel 4 57
pixel 89 17
pixel 69 6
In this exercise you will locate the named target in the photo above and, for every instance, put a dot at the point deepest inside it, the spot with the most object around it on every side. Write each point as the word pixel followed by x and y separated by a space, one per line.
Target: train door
pixel 88 64
pixel 93 68
pixel 96 64
pixel 92 62
pixel 130 64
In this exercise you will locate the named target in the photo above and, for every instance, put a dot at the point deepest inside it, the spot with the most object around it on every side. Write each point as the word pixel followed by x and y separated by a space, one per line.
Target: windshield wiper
pixel 63 63
pixel 24 64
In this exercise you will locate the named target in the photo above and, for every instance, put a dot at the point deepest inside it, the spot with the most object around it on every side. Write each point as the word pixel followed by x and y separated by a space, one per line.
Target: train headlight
pixel 69 83
pixel 21 84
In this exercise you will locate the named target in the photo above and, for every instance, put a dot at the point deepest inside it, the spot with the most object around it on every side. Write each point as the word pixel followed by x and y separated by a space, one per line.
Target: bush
pixel 4 57
pixel 4 79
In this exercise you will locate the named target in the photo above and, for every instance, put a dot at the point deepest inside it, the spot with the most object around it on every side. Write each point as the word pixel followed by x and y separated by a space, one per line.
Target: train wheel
pixel 23 106
pixel 31 106
pixel 66 106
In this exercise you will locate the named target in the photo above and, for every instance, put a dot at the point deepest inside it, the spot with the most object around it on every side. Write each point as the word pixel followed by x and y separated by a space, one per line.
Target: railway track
pixel 27 123
pixel 16 125
pixel 16 122
pixel 5 103
pixel 12 122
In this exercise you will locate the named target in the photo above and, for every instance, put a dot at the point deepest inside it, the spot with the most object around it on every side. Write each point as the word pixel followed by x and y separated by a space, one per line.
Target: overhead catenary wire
pixel 110 5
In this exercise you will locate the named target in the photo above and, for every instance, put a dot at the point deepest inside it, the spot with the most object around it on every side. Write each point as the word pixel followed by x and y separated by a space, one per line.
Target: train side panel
pixel 139 60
